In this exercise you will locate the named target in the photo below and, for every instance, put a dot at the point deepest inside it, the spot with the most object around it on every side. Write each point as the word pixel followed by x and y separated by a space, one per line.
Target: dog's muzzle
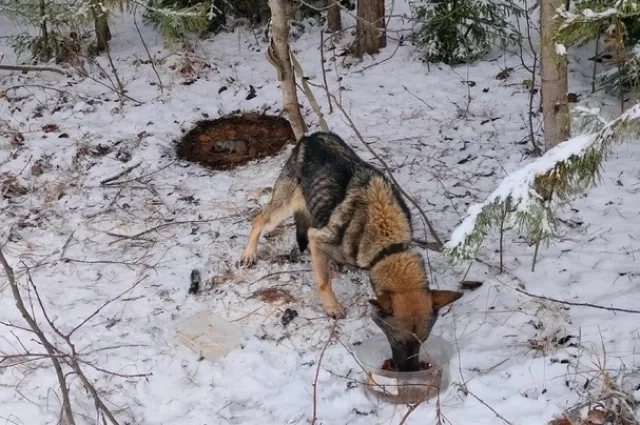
pixel 406 356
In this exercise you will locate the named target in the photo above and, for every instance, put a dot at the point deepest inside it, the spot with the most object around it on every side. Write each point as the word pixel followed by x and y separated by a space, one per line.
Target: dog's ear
pixel 442 298
pixel 383 304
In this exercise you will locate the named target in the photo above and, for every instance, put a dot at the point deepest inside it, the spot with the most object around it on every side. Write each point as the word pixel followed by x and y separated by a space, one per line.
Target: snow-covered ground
pixel 449 134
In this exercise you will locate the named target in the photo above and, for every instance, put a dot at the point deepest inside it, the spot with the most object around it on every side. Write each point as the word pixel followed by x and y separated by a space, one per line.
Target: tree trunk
pixel 334 21
pixel 279 57
pixel 45 52
pixel 101 25
pixel 370 28
pixel 381 24
pixel 555 107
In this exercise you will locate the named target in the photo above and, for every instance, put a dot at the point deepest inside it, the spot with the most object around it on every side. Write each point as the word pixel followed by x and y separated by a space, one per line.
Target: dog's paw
pixel 249 259
pixel 335 311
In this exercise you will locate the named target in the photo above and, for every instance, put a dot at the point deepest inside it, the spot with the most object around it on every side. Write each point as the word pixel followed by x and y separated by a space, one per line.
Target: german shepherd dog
pixel 347 211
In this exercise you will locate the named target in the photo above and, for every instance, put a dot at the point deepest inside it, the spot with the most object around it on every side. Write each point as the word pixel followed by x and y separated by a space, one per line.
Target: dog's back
pixel 333 177
pixel 328 167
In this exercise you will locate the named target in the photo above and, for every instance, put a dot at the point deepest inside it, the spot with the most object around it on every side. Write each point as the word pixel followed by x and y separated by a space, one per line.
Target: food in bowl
pixel 383 380
pixel 391 366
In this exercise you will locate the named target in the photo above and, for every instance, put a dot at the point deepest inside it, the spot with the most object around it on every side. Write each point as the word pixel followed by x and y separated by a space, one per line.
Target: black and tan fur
pixel 347 211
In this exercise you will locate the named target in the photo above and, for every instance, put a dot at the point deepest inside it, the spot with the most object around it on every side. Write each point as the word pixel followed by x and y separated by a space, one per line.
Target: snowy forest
pixel 213 212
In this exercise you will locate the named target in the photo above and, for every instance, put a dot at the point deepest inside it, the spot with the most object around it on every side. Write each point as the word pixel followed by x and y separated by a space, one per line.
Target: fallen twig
pixel 34 68
pixel 129 264
pixel 118 374
pixel 120 174
pixel 421 100
pixel 410 410
pixel 268 275
pixel 433 246
pixel 466 390
pixel 21 86
pixel 139 178
pixel 383 60
pixel 576 304
pixel 92 315
pixel 315 380
pixel 163 225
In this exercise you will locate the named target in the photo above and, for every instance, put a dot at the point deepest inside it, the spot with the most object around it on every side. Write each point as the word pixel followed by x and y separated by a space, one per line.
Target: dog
pixel 347 211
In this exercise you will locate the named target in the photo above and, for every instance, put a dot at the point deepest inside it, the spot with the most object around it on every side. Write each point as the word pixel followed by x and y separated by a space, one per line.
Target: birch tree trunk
pixel 278 55
pixel 557 125
pixel 370 28
pixel 334 21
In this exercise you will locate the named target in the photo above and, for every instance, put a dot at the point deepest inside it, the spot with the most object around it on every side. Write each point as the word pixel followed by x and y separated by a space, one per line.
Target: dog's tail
pixel 303 222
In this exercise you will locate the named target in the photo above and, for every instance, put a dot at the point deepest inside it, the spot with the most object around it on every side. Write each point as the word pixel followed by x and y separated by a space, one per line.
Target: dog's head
pixel 407 318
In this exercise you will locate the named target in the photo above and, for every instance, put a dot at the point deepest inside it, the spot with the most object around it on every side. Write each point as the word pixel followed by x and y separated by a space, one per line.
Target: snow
pixel 75 235
pixel 587 14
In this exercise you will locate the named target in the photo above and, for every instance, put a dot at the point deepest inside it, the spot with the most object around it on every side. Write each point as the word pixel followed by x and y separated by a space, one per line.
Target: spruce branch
pixel 172 22
pixel 590 17
pixel 568 169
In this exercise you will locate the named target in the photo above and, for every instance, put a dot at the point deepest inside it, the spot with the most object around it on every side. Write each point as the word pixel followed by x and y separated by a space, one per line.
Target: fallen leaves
pixel 504 74
pixel 10 186
pixel 594 417
pixel 50 128
pixel 272 295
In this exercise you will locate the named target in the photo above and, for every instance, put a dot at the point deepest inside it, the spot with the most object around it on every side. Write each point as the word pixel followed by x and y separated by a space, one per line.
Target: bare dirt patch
pixel 231 141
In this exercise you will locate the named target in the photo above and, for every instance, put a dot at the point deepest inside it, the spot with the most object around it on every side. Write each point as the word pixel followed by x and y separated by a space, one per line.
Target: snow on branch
pixel 590 18
pixel 523 197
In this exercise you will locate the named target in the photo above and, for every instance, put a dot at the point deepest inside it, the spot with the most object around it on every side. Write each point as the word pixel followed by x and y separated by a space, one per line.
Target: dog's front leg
pixel 250 254
pixel 322 276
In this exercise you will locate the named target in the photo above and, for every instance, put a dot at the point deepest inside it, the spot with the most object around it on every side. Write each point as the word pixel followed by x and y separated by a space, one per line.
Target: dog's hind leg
pixel 286 199
pixel 322 275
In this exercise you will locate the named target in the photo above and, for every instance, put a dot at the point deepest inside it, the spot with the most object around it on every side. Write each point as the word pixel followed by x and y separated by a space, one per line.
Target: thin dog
pixel 346 211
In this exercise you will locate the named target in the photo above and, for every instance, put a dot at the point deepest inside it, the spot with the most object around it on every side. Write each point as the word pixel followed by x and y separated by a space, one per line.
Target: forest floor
pixel 449 135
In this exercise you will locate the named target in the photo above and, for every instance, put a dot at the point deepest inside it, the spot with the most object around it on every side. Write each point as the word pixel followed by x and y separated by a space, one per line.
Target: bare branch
pixel 146 48
pixel 576 304
pixel 466 391
pixel 432 230
pixel 139 178
pixel 120 174
pixel 315 380
pixel 322 61
pixel 163 225
pixel 51 350
pixel 421 100
pixel 117 297
pixel 72 360
pixel 34 68
pixel 120 375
